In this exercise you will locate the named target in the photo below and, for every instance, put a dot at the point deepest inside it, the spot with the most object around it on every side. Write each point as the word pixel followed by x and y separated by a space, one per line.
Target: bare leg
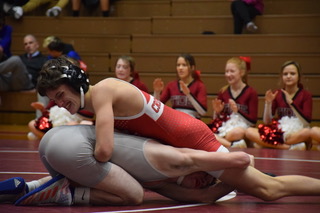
pixel 117 188
pixel 315 134
pixel 265 187
pixel 253 135
pixel 223 141
pixel 301 136
pixel 235 134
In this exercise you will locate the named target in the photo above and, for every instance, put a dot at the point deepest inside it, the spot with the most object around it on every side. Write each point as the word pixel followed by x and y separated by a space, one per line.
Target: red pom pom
pixel 43 123
pixel 217 122
pixel 271 133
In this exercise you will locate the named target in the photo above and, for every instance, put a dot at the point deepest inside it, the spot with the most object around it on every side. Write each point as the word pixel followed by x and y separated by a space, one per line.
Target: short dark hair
pixel 57 72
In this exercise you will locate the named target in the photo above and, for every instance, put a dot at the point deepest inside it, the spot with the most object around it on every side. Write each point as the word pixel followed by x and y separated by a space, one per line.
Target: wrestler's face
pixel 233 74
pixel 183 68
pixel 197 180
pixel 123 70
pixel 290 75
pixel 66 97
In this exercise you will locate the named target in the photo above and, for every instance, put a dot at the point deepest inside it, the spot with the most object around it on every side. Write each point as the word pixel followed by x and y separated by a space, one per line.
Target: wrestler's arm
pixel 102 104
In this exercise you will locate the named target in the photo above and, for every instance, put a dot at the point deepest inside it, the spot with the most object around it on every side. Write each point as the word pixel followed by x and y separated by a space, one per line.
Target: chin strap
pixel 81 98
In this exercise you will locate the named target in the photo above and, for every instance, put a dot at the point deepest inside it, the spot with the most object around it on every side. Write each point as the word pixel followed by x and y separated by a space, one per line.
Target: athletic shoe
pixel 12 189
pixel 229 196
pixel 298 146
pixel 54 192
pixel 252 27
pixel 239 144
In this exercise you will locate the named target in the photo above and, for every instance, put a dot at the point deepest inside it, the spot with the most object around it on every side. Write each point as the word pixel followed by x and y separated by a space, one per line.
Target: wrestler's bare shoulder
pixel 111 82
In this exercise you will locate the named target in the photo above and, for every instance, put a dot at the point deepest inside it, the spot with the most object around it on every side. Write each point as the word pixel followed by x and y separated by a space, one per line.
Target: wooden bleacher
pixel 155 31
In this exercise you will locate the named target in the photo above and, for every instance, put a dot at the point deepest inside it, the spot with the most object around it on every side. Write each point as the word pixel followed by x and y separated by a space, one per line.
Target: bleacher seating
pixel 155 31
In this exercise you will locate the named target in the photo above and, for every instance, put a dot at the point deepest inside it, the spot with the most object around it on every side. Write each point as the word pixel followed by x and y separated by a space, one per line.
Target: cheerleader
pixel 125 70
pixel 287 114
pixel 188 93
pixel 236 107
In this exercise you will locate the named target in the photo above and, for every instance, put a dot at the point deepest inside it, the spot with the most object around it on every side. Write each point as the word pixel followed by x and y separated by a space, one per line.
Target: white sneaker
pixel 239 144
pixel 17 12
pixel 298 146
pixel 252 27
pixel 55 192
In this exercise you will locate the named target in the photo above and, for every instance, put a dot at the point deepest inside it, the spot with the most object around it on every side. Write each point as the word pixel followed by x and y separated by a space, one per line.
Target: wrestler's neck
pixel 87 100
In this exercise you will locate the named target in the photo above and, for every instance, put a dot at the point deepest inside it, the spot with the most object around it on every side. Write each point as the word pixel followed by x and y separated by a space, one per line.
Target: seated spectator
pixel 188 93
pixel 244 11
pixel 104 5
pixel 287 114
pixel 56 48
pixel 125 70
pixel 32 58
pixel 5 38
pixel 236 107
pixel 14 75
pixel 18 8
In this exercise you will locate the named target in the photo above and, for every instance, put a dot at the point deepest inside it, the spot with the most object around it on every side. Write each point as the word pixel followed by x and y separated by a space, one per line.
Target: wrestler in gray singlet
pixel 68 150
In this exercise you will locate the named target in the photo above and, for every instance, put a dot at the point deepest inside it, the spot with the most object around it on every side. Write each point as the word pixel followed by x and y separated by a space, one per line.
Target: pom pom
pixel 217 122
pixel 61 116
pixel 271 133
pixel 43 123
pixel 234 121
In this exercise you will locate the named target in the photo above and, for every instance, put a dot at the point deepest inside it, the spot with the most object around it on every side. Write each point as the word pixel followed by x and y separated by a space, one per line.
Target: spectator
pixel 125 70
pixel 18 8
pixel 293 106
pixel 104 5
pixel 244 11
pixel 188 93
pixel 236 107
pixel 56 48
pixel 32 58
pixel 5 38
pixel 14 75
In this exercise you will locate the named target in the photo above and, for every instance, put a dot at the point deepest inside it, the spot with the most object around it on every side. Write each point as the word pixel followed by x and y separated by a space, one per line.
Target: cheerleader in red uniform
pixel 125 70
pixel 236 107
pixel 287 114
pixel 188 93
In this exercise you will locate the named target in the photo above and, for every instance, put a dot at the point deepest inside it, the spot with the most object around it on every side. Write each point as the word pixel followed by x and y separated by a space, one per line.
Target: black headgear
pixel 76 76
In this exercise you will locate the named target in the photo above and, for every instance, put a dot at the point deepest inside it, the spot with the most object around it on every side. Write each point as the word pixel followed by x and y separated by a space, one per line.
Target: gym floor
pixel 19 157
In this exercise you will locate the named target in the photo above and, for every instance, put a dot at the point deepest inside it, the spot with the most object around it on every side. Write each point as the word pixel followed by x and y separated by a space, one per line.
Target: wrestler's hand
pixel 233 105
pixel 217 105
pixel 158 85
pixel 184 88
pixel 270 96
pixel 288 98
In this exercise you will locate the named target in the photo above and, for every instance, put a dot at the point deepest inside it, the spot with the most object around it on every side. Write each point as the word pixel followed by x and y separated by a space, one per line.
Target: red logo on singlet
pixel 156 105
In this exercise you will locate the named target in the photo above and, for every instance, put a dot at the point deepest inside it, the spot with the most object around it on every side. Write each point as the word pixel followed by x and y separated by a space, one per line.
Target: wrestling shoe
pixel 12 189
pixel 54 192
